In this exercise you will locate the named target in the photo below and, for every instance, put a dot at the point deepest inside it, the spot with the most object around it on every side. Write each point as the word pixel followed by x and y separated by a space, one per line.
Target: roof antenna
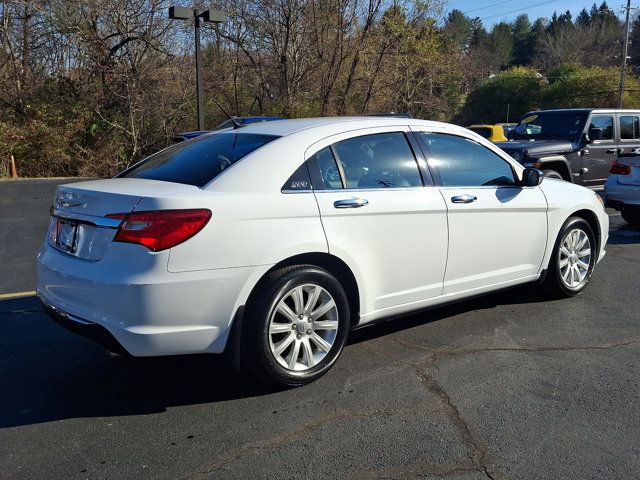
pixel 234 122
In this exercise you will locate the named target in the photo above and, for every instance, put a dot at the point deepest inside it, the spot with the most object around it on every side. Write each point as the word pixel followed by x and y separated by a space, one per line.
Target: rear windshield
pixel 198 161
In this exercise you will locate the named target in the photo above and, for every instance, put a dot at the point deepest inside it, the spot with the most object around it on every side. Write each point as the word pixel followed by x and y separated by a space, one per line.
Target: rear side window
pixel 629 127
pixel 605 123
pixel 329 173
pixel 464 163
pixel 382 160
pixel 199 161
pixel 299 181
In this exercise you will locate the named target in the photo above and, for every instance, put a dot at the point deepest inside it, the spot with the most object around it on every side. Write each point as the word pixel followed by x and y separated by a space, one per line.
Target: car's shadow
pixel 49 374
pixel 624 234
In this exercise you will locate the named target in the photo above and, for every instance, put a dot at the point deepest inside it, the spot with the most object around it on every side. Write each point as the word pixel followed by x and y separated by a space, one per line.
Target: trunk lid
pixel 78 224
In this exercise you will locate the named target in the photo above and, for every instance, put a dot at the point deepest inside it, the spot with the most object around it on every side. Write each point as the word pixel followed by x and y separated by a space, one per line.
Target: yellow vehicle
pixel 493 133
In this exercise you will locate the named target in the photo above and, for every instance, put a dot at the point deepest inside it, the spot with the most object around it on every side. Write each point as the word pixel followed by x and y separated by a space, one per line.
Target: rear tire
pixel 296 325
pixel 572 261
pixel 549 173
pixel 631 216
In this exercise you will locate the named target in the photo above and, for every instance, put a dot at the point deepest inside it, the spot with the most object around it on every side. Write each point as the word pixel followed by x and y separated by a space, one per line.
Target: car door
pixel 599 154
pixel 382 215
pixel 628 135
pixel 497 230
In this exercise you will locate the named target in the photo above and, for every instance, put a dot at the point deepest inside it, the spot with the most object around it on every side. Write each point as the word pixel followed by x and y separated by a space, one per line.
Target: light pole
pixel 207 16
pixel 625 51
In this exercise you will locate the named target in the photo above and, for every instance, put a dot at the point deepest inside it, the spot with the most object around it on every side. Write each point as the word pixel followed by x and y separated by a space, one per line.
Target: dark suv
pixel 578 145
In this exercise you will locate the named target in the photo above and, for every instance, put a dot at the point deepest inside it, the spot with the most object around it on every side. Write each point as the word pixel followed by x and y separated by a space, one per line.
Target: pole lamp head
pixel 180 13
pixel 213 16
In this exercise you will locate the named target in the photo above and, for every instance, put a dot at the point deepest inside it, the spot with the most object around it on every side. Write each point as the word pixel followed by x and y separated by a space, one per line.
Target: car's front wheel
pixel 296 325
pixel 573 259
pixel 549 173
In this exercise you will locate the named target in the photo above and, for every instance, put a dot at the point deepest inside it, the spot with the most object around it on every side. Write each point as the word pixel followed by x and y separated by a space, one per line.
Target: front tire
pixel 549 173
pixel 573 259
pixel 296 325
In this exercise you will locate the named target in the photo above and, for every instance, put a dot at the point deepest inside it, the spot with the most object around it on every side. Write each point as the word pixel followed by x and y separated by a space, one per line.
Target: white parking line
pixel 6 296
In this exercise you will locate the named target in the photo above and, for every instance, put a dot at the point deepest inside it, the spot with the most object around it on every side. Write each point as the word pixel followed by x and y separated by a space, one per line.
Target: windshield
pixel 560 125
pixel 198 161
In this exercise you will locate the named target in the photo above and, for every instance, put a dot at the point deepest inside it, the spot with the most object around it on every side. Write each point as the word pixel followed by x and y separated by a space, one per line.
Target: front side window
pixel 382 160
pixel 604 123
pixel 464 163
pixel 198 161
pixel 629 127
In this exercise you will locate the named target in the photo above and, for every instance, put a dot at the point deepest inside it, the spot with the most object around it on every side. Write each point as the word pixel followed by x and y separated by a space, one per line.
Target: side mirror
pixel 531 177
pixel 595 134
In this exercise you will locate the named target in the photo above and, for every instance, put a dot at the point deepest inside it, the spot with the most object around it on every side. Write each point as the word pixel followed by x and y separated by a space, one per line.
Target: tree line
pixel 89 86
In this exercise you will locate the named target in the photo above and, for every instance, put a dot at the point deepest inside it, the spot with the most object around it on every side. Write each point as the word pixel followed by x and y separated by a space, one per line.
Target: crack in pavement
pixel 476 450
pixel 286 437
pixel 440 354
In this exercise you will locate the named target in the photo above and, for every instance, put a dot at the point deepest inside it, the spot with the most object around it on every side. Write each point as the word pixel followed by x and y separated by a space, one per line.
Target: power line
pixel 489 6
pixel 519 9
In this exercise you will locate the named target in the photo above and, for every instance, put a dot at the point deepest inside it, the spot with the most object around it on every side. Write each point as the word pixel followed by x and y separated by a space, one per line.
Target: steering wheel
pixel 332 173
pixel 224 162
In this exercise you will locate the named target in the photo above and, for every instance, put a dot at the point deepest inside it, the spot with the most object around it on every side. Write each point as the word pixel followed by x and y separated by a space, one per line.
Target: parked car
pixel 243 121
pixel 493 133
pixel 274 241
pixel 622 190
pixel 577 145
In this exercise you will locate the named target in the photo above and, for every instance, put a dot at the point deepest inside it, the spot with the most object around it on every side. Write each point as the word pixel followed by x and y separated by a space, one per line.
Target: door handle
pixel 351 203
pixel 612 150
pixel 463 199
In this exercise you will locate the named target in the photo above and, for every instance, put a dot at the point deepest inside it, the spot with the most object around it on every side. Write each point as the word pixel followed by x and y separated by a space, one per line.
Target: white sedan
pixel 277 239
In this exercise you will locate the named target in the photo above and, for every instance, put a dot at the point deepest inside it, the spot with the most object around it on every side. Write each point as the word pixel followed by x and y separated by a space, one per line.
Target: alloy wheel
pixel 574 259
pixel 303 327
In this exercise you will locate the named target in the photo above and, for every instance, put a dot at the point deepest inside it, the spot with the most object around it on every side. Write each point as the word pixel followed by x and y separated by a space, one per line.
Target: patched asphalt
pixel 507 386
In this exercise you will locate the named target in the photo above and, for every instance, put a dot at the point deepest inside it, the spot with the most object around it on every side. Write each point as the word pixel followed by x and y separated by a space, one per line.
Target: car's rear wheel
pixel 573 259
pixel 549 173
pixel 296 325
pixel 631 215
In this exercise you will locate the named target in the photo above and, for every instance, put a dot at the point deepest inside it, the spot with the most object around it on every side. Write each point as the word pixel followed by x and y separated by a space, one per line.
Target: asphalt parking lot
pixel 507 386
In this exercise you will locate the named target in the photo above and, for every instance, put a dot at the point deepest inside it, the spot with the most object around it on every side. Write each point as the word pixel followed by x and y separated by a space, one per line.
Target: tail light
pixel 160 229
pixel 620 169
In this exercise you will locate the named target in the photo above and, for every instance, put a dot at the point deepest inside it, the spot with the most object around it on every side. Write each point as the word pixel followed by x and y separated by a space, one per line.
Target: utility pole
pixel 207 16
pixel 625 50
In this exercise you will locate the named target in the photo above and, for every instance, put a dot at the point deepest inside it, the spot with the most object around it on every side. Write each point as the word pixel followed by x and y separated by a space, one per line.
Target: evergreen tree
pixel 583 19
pixel 458 29
pixel 501 43
pixel 522 40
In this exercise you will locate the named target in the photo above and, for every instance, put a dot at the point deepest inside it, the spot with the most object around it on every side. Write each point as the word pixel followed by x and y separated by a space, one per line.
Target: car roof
pixel 288 127
pixel 586 110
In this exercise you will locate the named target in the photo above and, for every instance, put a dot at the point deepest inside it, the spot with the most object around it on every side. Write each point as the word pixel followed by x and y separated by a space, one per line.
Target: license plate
pixel 65 235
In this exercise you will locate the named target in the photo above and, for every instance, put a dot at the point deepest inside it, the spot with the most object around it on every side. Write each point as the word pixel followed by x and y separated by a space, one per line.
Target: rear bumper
pixel 140 307
pixel 618 195
pixel 86 329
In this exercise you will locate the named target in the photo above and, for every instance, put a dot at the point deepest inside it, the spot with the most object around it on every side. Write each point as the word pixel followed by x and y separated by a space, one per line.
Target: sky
pixel 494 11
